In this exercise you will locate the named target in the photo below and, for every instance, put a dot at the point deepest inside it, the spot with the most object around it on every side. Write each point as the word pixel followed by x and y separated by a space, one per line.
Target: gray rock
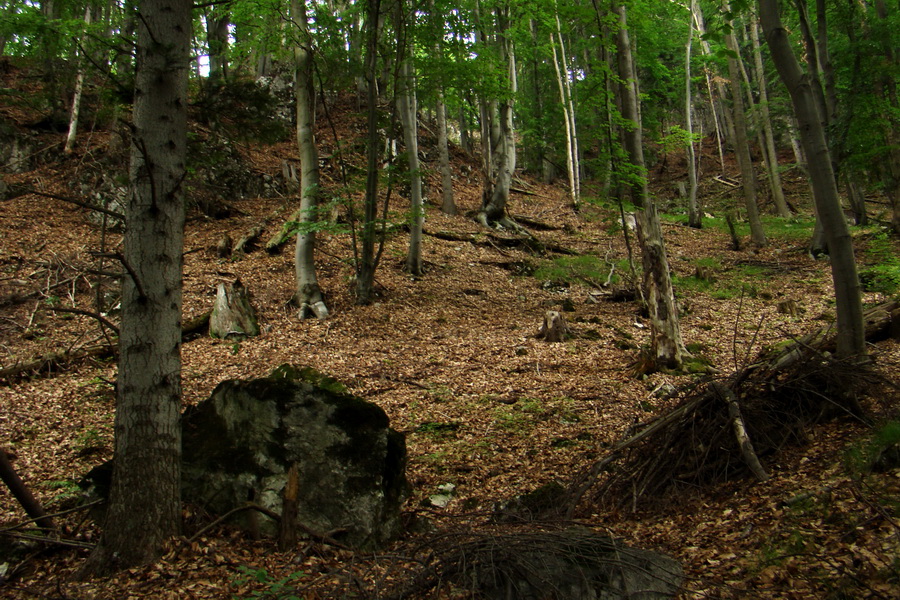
pixel 240 443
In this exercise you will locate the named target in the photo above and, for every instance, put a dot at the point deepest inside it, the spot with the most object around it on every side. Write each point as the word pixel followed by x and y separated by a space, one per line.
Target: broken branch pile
pixel 720 429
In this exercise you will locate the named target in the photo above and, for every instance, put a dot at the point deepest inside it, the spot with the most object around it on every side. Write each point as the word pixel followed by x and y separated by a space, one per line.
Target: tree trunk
pixel 233 316
pixel 76 96
pixel 695 214
pixel 217 21
pixel 850 325
pixel 15 484
pixel 771 153
pixel 406 107
pixel 144 504
pixel 742 145
pixel 716 101
pixel 366 258
pixel 448 204
pixel 307 295
pixel 667 346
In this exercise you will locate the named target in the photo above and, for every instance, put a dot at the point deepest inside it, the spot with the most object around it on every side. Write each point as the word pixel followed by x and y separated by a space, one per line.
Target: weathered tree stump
pixel 223 247
pixel 787 307
pixel 554 327
pixel 233 317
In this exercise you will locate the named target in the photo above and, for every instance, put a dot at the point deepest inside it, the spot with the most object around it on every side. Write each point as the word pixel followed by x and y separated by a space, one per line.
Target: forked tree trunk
pixel 502 133
pixel 144 503
pixel 850 325
pixel 307 295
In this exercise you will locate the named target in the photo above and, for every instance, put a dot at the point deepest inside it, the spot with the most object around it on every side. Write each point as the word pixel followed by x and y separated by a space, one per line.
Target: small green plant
pixel 88 440
pixel 882 274
pixel 874 452
pixel 273 589
pixel 66 489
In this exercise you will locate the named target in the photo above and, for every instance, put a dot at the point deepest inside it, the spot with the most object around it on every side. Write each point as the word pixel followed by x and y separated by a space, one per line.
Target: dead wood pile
pixel 726 428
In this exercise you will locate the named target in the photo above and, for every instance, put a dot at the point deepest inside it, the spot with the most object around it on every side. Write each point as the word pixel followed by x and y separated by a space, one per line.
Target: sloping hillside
pixel 453 359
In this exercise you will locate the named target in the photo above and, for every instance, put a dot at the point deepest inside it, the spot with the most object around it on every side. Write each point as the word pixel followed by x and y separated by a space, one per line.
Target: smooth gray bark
pixel 308 295
pixel 781 206
pixel 695 215
pixel 742 145
pixel 850 324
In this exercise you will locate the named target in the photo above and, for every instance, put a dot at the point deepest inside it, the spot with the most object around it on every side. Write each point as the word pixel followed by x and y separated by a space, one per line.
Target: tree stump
pixel 554 328
pixel 233 317
pixel 223 247
pixel 787 307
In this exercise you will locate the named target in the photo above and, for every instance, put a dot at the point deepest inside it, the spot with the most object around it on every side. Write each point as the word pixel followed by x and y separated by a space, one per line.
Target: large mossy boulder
pixel 240 443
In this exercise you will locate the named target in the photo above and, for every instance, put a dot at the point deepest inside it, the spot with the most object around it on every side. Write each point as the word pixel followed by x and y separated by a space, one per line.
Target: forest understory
pixel 454 359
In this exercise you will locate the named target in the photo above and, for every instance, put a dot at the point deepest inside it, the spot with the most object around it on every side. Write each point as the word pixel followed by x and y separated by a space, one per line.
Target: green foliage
pixel 241 109
pixel 271 588
pixel 882 273
pixel 875 451
pixel 572 269
pixel 677 139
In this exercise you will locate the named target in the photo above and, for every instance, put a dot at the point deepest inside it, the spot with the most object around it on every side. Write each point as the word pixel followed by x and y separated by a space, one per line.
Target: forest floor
pixel 454 360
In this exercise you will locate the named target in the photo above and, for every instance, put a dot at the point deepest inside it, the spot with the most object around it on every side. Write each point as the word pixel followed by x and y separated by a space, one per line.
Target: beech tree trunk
pixel 76 96
pixel 448 203
pixel 775 184
pixel 502 135
pixel 695 214
pixel 850 325
pixel 742 145
pixel 145 504
pixel 307 295
pixel 366 258
pixel 406 107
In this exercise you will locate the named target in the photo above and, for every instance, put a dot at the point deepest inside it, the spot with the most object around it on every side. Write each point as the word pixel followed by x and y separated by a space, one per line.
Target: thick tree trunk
pixel 217 21
pixel 851 331
pixel 742 145
pixel 307 295
pixel 503 140
pixel 145 505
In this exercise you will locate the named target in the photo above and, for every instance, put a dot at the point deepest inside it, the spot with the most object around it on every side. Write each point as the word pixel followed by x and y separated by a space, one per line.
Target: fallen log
pixel 244 244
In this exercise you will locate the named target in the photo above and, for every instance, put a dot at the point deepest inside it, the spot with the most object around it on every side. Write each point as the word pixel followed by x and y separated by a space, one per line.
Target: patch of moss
pixel 288 372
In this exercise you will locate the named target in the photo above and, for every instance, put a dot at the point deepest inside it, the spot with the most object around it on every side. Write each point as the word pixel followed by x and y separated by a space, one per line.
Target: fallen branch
pixel 740 430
